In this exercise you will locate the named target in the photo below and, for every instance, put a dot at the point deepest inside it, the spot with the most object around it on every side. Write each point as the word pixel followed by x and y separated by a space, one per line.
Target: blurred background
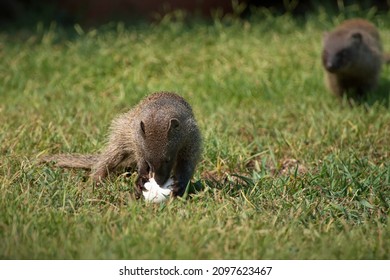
pixel 90 12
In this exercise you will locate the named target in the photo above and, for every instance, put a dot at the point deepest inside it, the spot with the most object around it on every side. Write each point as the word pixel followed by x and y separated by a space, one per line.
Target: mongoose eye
pixel 142 125
pixel 344 53
pixel 343 56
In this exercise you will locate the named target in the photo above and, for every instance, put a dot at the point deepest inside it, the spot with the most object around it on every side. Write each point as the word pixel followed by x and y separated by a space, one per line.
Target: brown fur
pixel 352 57
pixel 158 137
pixel 72 160
pixel 386 58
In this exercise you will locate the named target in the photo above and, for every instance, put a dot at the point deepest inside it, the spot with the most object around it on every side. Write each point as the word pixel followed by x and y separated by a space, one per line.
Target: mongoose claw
pixel 139 186
pixel 177 189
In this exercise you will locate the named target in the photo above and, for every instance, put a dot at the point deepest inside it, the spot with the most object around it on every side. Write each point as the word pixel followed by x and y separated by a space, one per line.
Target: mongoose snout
pixel 334 62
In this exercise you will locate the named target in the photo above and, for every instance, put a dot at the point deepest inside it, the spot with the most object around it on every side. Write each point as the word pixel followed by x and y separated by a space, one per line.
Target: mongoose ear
pixel 174 124
pixel 142 125
pixel 357 37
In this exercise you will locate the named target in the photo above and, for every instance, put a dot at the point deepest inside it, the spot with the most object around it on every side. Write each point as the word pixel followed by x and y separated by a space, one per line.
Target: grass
pixel 256 87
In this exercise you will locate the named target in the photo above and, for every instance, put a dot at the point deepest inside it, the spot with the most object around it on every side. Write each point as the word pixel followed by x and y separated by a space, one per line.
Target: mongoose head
pixel 160 145
pixel 340 49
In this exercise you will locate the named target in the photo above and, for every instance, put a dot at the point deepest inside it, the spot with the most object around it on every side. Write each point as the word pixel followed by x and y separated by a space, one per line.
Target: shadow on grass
pixel 230 183
pixel 380 96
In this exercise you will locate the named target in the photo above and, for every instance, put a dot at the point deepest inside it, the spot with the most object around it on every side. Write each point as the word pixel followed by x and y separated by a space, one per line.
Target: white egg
pixel 155 193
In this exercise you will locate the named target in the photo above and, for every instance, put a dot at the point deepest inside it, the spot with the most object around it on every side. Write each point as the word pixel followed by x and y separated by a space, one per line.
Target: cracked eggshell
pixel 155 193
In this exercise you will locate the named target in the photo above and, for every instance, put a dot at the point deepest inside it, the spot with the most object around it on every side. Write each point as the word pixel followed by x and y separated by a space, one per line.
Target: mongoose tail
pixel 72 160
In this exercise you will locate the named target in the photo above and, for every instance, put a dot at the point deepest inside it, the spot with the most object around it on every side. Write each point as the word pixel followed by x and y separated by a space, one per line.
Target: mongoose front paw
pixel 98 176
pixel 97 181
pixel 139 186
pixel 177 189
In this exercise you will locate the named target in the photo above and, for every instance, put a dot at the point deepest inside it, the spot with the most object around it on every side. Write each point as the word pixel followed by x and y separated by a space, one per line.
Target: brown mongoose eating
pixel 159 137
pixel 352 57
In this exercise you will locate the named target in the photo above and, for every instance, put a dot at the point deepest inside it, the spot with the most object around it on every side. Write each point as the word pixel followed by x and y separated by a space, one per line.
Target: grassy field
pixel 256 87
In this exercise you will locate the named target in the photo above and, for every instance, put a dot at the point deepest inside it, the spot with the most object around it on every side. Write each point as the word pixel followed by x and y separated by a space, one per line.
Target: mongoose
pixel 352 57
pixel 159 136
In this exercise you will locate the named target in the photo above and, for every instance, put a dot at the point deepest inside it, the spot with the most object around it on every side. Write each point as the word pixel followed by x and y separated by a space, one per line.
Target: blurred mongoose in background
pixel 159 137
pixel 352 57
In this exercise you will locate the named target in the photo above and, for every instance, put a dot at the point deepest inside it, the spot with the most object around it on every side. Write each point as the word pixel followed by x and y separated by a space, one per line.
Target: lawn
pixel 288 171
